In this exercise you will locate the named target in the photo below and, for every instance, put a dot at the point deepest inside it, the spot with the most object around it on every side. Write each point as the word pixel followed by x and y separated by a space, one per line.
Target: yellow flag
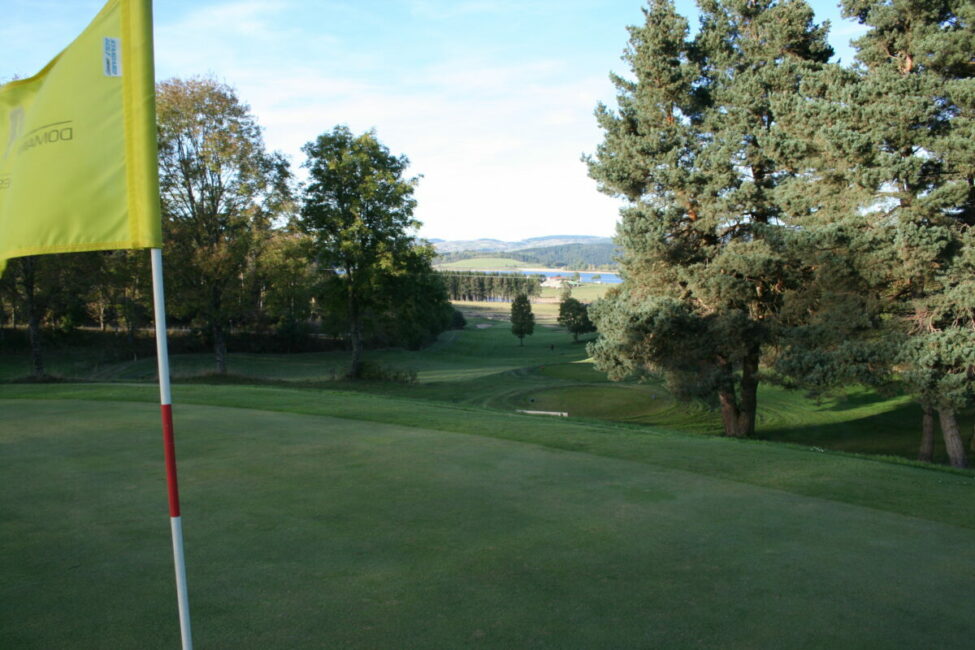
pixel 78 144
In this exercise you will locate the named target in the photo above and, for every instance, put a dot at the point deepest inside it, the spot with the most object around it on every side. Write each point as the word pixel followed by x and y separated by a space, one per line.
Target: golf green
pixel 309 531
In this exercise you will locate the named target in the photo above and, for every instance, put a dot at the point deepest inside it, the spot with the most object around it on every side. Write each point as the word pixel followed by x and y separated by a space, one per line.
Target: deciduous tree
pixel 220 191
pixel 574 316
pixel 287 286
pixel 358 209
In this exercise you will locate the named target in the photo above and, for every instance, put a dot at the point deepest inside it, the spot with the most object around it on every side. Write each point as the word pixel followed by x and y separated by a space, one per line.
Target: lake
pixel 585 276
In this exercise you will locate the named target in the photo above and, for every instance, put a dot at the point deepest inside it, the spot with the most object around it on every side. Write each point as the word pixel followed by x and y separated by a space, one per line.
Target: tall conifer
pixel 706 241
pixel 916 99
pixel 522 318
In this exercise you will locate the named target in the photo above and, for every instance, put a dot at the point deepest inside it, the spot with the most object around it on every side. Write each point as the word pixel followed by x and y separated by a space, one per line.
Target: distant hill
pixel 578 257
pixel 498 246
pixel 573 256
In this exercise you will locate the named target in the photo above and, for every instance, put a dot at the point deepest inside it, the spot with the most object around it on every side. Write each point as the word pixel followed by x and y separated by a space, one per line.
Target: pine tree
pixel 705 240
pixel 916 111
pixel 522 318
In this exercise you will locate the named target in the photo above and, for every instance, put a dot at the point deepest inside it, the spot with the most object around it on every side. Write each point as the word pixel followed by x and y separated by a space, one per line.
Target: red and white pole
pixel 166 406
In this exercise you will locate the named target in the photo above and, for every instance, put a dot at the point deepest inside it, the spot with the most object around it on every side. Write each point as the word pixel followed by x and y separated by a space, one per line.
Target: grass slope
pixel 484 366
pixel 362 521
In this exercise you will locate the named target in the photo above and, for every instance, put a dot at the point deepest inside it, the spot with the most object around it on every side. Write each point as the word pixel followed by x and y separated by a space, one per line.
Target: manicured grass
pixel 756 462
pixel 362 521
pixel 585 293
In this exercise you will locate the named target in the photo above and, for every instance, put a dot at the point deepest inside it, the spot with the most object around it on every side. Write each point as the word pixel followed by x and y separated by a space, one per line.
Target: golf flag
pixel 78 144
pixel 78 173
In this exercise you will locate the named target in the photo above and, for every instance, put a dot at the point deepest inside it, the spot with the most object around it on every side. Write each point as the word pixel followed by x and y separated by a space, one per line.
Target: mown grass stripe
pixel 897 486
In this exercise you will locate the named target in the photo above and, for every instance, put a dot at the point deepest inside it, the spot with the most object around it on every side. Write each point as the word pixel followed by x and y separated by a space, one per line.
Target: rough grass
pixel 362 521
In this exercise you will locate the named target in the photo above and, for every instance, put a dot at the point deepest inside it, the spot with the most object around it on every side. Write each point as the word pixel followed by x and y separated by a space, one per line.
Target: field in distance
pixel 485 264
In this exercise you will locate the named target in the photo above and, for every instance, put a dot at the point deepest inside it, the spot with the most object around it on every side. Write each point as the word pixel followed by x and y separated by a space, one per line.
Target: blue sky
pixel 491 100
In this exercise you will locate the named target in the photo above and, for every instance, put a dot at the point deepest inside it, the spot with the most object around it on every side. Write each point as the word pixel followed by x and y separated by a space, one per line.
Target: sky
pixel 491 100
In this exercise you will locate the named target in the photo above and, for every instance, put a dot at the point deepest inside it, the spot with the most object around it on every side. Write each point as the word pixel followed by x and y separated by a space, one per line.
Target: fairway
pixel 310 531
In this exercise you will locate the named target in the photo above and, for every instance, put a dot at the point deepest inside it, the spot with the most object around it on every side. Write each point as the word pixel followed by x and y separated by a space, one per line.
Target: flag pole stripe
pixel 169 446
pixel 162 343
pixel 182 598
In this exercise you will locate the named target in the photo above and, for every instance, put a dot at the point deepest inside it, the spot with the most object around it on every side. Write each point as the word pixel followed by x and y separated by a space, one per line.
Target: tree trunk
pixel 131 324
pixel 953 442
pixel 219 336
pixel 220 348
pixel 355 369
pixel 749 394
pixel 36 356
pixel 130 339
pixel 926 452
pixel 355 336
pixel 730 413
pixel 33 319
pixel 738 415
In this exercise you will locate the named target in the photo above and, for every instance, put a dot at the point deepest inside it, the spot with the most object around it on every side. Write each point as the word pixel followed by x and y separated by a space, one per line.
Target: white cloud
pixel 244 18
pixel 498 142
pixel 498 145
pixel 434 10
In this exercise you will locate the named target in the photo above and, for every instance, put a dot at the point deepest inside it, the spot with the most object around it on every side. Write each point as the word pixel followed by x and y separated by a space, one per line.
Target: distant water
pixel 601 277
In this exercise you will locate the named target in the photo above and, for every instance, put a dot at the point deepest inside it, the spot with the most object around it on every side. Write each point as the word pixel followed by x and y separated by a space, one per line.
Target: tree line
pixel 481 286
pixel 249 253
pixel 794 220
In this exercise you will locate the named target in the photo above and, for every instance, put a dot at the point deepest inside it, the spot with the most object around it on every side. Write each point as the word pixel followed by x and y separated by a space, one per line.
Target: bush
pixel 372 371
pixel 457 320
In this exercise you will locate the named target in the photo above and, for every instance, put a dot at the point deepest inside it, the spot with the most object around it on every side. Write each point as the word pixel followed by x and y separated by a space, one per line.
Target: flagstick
pixel 166 406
